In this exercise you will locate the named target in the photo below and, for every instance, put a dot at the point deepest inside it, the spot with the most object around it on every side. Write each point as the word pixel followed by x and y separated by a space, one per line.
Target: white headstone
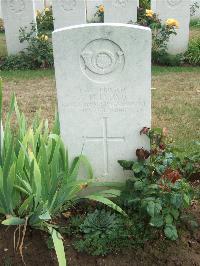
pixel 68 13
pixel 103 80
pixel 196 14
pixel 0 10
pixel 179 10
pixel 17 14
pixel 120 11
pixel 39 5
pixel 92 7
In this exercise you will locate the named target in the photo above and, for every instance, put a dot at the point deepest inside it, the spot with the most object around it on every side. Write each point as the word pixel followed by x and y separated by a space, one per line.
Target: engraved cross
pixel 105 139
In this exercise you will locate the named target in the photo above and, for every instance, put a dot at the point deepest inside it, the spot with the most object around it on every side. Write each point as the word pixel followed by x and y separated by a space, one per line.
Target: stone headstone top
pixel 68 13
pixel 120 11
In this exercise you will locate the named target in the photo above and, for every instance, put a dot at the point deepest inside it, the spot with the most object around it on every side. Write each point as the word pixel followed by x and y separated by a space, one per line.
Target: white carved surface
pixel 68 4
pixel 102 60
pixel 17 6
pixel 174 3
pixel 103 80
pixel 120 11
pixel 68 12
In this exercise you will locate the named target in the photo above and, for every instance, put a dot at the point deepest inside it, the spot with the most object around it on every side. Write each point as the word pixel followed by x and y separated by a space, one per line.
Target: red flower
pixel 171 175
pixel 142 154
pixel 145 130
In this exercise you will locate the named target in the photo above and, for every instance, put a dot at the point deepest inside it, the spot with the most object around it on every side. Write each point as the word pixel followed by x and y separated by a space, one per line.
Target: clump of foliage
pixel 190 164
pixel 145 4
pixel 158 192
pixel 16 62
pixel 99 15
pixel 161 33
pixel 39 48
pixel 45 20
pixel 195 23
pixel 192 55
pixel 37 182
pixel 38 54
pixel 103 232
pixel 2 30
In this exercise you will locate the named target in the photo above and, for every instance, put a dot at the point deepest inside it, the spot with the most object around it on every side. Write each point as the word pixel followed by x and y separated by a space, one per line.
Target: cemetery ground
pixel 175 95
pixel 175 105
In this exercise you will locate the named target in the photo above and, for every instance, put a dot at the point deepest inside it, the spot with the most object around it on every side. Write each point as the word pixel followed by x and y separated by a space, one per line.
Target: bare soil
pixel 185 251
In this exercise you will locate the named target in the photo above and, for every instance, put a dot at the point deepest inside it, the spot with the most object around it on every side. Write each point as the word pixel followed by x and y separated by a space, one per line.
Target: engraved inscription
pixel 104 101
pixel 102 60
pixel 105 139
pixel 68 5
pixel 120 3
pixel 174 3
pixel 17 6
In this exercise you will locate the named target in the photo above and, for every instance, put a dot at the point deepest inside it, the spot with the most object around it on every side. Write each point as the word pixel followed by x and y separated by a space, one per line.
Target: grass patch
pixel 27 74
pixel 176 105
pixel 175 102
pixel 157 70
pixel 3 51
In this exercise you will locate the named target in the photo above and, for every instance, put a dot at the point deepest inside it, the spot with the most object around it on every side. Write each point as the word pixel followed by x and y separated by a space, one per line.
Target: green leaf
pixel 157 221
pixel 169 219
pixel 138 185
pixel 13 221
pixel 186 199
pixel 171 232
pixel 175 213
pixel 150 208
pixel 58 245
pixel 153 208
pixel 45 216
pixel 107 202
pixel 176 200
pixel 137 167
pixel 25 206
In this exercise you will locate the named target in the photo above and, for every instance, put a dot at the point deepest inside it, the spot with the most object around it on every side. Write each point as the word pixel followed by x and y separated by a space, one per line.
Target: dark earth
pixel 185 251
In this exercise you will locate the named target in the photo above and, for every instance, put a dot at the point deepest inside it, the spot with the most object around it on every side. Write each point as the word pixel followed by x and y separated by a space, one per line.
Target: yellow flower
pixel 149 13
pixel 83 186
pixel 47 9
pixel 172 23
pixel 46 38
pixel 101 8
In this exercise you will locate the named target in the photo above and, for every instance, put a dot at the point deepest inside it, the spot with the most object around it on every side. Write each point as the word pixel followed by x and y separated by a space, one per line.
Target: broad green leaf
pixel 25 206
pixel 13 221
pixel 169 219
pixel 58 245
pixel 171 232
pixel 138 185
pixel 156 221
pixel 107 202
pixel 175 213
pixel 45 216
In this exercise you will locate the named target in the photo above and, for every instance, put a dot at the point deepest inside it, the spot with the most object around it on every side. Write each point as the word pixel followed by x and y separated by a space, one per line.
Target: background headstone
pixel 103 80
pixel 0 10
pixel 16 14
pixel 120 11
pixel 68 12
pixel 179 10
pixel 39 5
